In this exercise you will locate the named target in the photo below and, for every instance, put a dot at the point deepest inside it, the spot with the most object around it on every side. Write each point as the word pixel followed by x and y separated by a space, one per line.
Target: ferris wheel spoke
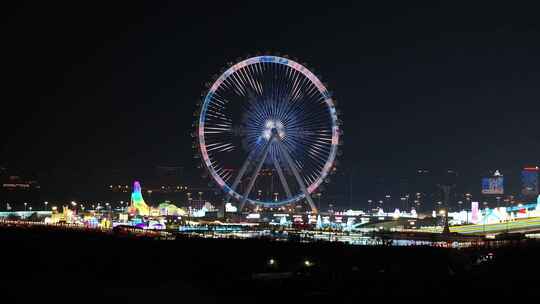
pixel 264 153
pixel 282 177
pixel 299 179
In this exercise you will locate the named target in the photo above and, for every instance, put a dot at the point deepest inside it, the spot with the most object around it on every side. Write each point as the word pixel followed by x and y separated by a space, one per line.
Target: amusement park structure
pixel 268 113
pixel 138 205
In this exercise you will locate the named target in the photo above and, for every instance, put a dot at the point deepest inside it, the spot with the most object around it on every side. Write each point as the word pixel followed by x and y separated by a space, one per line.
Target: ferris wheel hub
pixel 273 127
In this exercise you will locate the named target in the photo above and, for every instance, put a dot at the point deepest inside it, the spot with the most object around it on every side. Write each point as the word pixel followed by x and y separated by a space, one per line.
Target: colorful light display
pixel 170 209
pixel 138 205
pixel 474 210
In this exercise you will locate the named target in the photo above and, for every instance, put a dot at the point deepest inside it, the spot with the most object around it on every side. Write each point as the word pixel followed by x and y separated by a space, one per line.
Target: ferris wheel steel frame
pixel 280 142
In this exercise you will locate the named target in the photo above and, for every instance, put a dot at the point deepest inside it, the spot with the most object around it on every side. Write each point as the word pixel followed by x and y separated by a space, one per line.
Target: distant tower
pixel 137 202
pixel 446 191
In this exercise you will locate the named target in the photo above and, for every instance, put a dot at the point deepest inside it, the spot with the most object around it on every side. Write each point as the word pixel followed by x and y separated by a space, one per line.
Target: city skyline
pixel 345 194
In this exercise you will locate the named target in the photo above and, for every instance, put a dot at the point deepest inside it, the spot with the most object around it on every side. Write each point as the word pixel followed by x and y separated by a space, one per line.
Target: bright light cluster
pixel 273 124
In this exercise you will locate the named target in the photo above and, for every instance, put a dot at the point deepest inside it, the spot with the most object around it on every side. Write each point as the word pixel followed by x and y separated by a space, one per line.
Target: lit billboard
pixel 493 185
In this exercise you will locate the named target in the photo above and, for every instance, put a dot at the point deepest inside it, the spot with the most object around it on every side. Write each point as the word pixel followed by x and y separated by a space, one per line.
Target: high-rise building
pixel 493 185
pixel 529 182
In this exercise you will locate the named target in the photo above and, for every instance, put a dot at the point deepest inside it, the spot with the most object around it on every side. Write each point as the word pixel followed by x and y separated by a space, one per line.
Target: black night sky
pixel 93 87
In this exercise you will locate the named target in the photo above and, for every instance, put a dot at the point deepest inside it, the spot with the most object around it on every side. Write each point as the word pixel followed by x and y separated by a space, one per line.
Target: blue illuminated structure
pixel 529 206
pixel 272 113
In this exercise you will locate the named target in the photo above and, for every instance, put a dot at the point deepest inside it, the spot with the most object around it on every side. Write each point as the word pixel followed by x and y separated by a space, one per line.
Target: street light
pixel 468 198
pixel 46 203
pixel 25 206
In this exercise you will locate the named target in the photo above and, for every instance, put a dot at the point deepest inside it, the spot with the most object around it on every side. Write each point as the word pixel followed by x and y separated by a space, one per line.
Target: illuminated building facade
pixel 493 185
pixel 529 181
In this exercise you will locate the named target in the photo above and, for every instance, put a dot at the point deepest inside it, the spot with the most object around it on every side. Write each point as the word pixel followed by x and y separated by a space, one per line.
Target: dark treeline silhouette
pixel 40 262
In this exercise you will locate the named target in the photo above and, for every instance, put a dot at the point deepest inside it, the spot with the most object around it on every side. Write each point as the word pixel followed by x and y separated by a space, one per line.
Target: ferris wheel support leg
pixel 264 153
pixel 282 178
pixel 298 178
pixel 241 174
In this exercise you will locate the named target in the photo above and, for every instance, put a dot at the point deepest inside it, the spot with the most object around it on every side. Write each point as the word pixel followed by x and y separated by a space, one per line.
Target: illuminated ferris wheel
pixel 268 114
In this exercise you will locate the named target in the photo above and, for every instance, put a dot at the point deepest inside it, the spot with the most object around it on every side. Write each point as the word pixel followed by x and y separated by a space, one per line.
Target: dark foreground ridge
pixel 47 264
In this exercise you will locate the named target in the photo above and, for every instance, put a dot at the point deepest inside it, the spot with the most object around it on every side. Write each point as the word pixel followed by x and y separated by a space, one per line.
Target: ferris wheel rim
pixel 333 119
